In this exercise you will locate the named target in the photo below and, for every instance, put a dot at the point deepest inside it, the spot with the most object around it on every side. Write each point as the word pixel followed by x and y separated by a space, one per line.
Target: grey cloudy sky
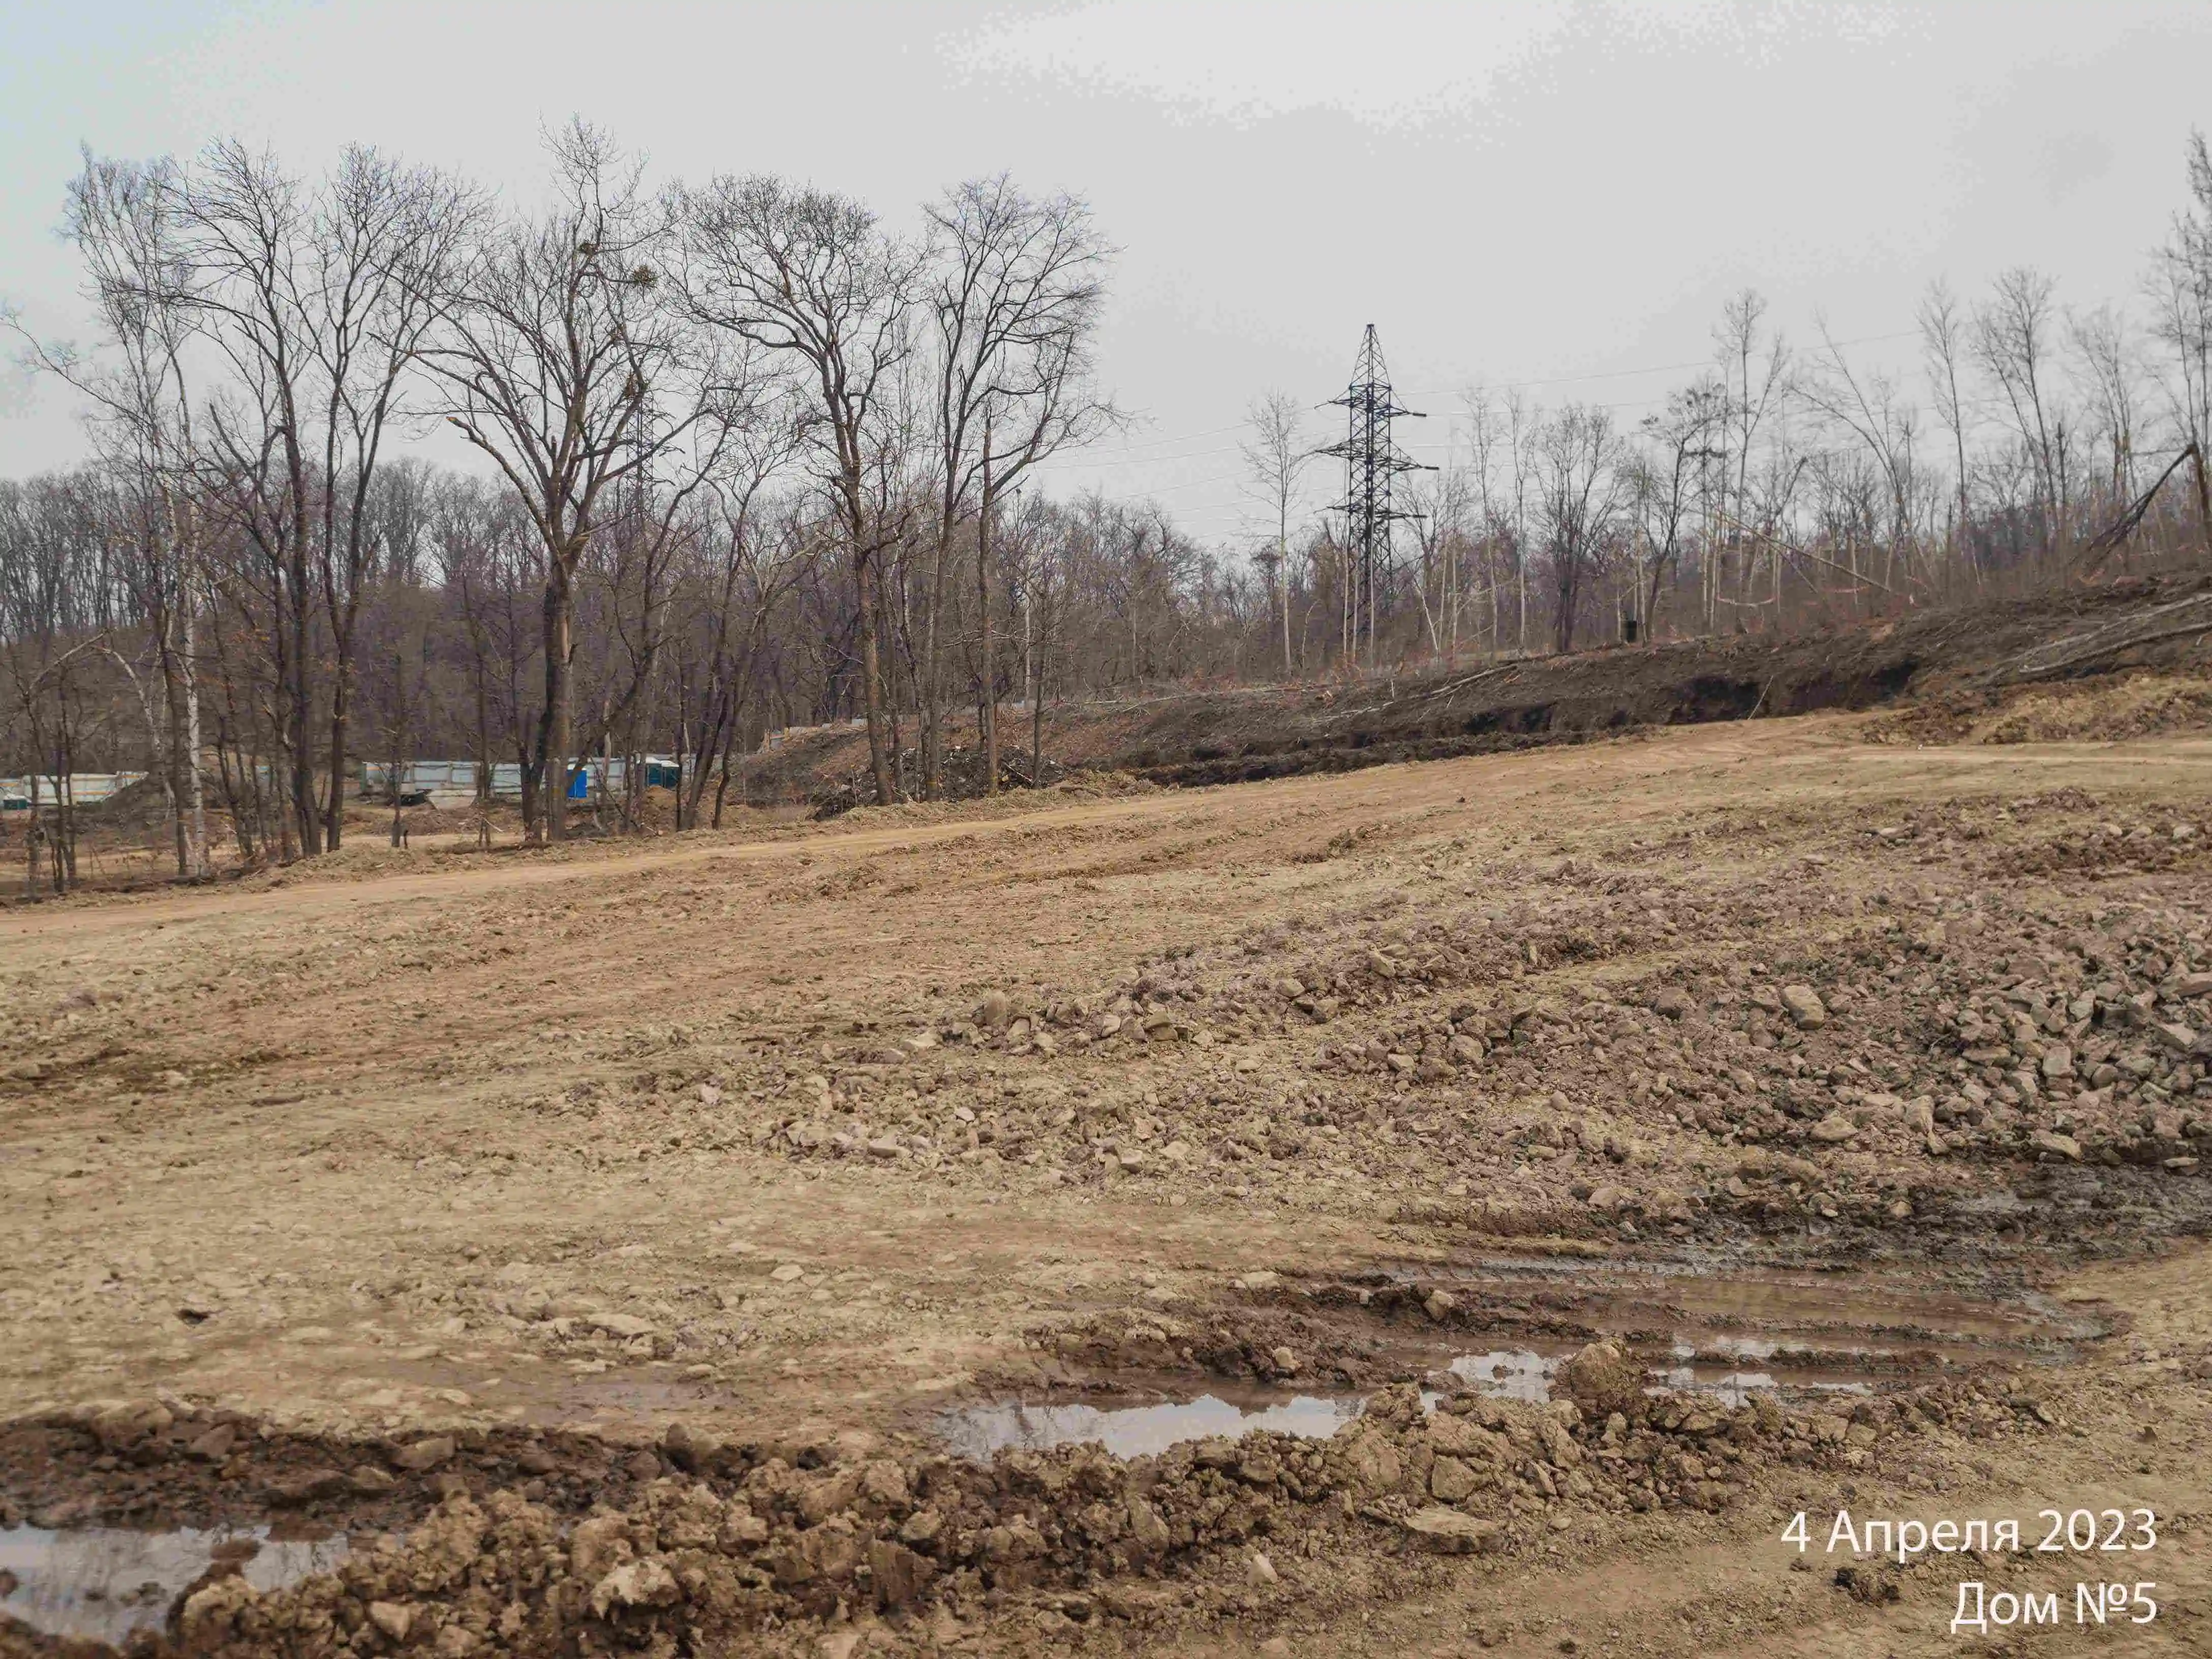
pixel 1557 193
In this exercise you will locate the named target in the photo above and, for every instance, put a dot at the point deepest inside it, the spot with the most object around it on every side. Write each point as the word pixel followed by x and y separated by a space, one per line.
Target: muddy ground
pixel 1559 1169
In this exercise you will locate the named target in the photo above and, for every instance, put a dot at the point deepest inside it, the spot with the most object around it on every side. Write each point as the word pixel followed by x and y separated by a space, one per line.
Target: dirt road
pixel 835 1146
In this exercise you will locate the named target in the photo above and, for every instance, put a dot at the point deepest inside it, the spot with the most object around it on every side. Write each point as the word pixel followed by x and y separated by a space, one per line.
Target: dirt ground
pixel 645 1247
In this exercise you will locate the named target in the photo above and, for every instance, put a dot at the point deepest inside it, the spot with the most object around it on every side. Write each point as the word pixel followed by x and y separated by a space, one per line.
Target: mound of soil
pixel 2110 708
pixel 965 776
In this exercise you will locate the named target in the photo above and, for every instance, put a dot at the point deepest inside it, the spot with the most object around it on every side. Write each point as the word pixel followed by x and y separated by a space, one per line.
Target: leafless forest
pixel 749 455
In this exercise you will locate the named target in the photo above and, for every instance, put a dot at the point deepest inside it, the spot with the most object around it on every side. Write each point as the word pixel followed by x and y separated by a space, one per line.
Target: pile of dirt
pixel 1009 803
pixel 2107 708
pixel 965 777
pixel 504 818
pixel 359 859
pixel 137 808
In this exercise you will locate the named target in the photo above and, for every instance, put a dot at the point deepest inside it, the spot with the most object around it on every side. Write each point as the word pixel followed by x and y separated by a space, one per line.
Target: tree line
pixel 749 457
pixel 1785 485
pixel 740 443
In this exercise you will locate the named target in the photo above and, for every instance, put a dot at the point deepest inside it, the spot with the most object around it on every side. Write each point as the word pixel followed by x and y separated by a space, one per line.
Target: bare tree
pixel 563 360
pixel 808 274
pixel 1489 428
pixel 2013 343
pixel 1943 343
pixel 1868 407
pixel 755 565
pixel 249 224
pixel 57 583
pixel 386 246
pixel 1578 465
pixel 2107 365
pixel 1754 393
pixel 1523 427
pixel 1681 442
pixel 1275 457
pixel 1014 291
pixel 124 220
pixel 1440 504
pixel 2180 288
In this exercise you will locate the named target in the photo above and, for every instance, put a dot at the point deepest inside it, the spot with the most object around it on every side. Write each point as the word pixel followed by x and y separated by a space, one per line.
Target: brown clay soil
pixel 651 1247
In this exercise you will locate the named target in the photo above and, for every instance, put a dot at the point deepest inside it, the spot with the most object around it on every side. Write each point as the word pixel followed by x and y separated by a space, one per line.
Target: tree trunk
pixel 304 806
pixel 34 834
pixel 989 705
pixel 341 714
pixel 865 580
pixel 196 785
pixel 173 695
pixel 484 727
pixel 932 664
pixel 554 727
pixel 1037 713
pixel 65 789
pixel 2203 499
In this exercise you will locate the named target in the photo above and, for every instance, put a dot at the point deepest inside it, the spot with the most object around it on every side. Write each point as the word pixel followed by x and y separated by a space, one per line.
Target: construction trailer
pixel 453 782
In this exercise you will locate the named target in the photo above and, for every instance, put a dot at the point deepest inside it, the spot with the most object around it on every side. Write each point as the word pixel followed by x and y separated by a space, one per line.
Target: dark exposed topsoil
pixel 1239 735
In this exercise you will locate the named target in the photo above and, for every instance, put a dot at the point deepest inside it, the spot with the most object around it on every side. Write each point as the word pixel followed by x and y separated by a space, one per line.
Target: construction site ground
pixel 698 1245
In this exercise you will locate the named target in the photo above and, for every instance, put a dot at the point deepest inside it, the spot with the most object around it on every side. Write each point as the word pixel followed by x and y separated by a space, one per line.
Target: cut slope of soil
pixel 1958 656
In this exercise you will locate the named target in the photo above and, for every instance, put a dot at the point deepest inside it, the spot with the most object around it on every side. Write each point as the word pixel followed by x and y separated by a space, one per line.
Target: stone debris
pixel 2057 1146
pixel 1600 1379
pixel 425 1455
pixel 1805 1005
pixel 394 1619
pixel 1448 1532
pixel 1613 1107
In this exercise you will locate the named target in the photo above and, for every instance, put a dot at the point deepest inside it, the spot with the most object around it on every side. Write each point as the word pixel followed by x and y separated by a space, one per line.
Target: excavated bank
pixel 1957 660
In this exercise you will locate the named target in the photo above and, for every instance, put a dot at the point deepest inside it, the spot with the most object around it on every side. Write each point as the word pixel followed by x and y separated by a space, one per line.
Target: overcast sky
pixel 1553 193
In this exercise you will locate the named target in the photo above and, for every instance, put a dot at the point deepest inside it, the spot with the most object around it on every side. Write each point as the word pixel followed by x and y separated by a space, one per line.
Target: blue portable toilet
pixel 580 787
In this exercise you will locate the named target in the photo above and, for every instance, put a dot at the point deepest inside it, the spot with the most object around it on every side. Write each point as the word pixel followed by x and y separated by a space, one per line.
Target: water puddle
pixel 1797 1333
pixel 1510 1373
pixel 103 1583
pixel 1843 1313
pixel 977 1432
pixel 1525 1373
pixel 1145 1429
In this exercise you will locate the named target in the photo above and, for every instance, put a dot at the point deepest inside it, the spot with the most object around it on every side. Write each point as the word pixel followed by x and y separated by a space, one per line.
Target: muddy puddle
pixel 1141 1431
pixel 103 1583
pixel 1715 1312
pixel 1801 1334
pixel 1130 1428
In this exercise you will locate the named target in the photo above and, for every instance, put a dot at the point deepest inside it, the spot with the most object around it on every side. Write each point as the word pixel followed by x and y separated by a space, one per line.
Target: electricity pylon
pixel 1371 460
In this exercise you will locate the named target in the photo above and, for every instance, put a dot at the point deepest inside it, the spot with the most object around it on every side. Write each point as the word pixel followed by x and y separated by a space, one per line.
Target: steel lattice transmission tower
pixel 1371 460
